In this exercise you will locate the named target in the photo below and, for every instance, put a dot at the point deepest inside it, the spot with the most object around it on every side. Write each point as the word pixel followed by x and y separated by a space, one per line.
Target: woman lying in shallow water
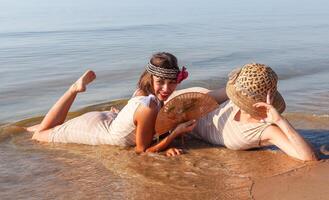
pixel 251 117
pixel 132 126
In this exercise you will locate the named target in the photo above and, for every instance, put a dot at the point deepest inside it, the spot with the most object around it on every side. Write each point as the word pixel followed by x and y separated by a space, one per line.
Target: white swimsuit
pixel 219 127
pixel 95 128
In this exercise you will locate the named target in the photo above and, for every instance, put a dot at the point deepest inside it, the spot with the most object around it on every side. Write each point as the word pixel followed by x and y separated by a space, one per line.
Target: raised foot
pixel 114 109
pixel 83 81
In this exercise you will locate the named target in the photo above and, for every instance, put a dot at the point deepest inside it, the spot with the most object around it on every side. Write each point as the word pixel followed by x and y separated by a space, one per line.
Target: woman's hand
pixel 174 152
pixel 178 131
pixel 183 128
pixel 272 115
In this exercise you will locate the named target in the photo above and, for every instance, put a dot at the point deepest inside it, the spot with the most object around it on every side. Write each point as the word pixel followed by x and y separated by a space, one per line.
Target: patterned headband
pixel 162 72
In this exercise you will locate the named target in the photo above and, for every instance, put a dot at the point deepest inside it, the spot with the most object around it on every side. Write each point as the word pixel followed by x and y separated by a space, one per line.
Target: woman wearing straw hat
pixel 132 126
pixel 251 117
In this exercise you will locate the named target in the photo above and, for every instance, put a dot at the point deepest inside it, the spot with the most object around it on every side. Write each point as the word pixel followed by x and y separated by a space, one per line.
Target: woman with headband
pixel 132 126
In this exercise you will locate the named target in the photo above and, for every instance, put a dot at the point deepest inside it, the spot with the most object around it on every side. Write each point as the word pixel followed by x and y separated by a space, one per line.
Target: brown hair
pixel 163 60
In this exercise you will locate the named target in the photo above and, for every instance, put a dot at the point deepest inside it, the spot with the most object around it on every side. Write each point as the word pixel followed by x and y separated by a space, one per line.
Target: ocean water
pixel 46 45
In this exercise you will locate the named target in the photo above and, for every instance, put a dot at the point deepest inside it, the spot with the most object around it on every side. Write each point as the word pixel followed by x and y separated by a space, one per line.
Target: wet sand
pixel 36 170
pixel 308 183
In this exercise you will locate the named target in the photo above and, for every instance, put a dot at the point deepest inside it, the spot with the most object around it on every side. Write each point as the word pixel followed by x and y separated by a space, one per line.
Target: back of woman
pixel 219 127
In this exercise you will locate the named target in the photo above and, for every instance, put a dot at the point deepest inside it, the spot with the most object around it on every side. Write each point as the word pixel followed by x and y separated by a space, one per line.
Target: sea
pixel 46 45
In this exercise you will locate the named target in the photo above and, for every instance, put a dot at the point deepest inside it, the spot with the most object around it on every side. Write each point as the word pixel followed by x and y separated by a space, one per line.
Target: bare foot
pixel 83 81
pixel 32 128
pixel 114 109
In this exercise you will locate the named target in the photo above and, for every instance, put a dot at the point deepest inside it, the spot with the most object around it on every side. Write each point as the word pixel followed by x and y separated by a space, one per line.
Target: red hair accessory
pixel 183 74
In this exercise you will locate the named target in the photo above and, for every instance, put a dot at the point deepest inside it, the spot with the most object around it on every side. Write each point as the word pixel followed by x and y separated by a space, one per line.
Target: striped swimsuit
pixel 95 128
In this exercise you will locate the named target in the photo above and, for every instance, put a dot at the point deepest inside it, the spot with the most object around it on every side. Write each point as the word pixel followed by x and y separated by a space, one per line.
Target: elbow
pixel 309 157
pixel 139 149
pixel 149 150
pixel 144 150
pixel 312 157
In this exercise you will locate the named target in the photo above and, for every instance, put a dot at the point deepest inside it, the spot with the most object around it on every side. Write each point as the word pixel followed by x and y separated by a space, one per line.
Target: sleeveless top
pixel 219 127
pixel 123 126
pixel 105 127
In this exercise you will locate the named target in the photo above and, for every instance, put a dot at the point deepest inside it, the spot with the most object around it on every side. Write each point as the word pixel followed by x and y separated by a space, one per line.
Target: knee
pixel 36 135
pixel 41 136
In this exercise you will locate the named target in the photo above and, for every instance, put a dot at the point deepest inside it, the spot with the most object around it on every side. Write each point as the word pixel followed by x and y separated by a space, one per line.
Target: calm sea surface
pixel 46 45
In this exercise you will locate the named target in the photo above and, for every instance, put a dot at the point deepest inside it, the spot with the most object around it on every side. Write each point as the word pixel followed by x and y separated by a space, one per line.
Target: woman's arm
pixel 145 121
pixel 219 94
pixel 178 131
pixel 283 135
pixel 144 118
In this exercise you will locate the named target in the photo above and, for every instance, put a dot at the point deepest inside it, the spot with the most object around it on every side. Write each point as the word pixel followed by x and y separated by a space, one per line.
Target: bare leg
pixel 57 114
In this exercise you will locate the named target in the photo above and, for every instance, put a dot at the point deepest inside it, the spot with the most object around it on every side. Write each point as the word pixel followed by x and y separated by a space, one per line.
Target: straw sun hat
pixel 250 84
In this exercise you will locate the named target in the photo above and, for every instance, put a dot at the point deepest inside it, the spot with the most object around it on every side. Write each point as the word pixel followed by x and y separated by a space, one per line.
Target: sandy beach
pixel 308 183
pixel 36 170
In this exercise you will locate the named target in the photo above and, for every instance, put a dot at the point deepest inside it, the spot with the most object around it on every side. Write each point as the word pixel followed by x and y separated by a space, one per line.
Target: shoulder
pixel 147 109
pixel 271 133
pixel 148 101
pixel 139 92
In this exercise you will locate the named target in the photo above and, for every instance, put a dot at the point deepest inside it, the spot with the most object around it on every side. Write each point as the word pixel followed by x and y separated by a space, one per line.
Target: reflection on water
pixel 34 170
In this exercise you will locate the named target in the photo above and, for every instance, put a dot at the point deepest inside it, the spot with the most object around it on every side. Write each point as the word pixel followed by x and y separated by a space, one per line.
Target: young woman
pixel 132 126
pixel 251 116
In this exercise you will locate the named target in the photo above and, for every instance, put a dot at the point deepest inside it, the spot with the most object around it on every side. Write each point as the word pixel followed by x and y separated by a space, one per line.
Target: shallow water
pixel 35 170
